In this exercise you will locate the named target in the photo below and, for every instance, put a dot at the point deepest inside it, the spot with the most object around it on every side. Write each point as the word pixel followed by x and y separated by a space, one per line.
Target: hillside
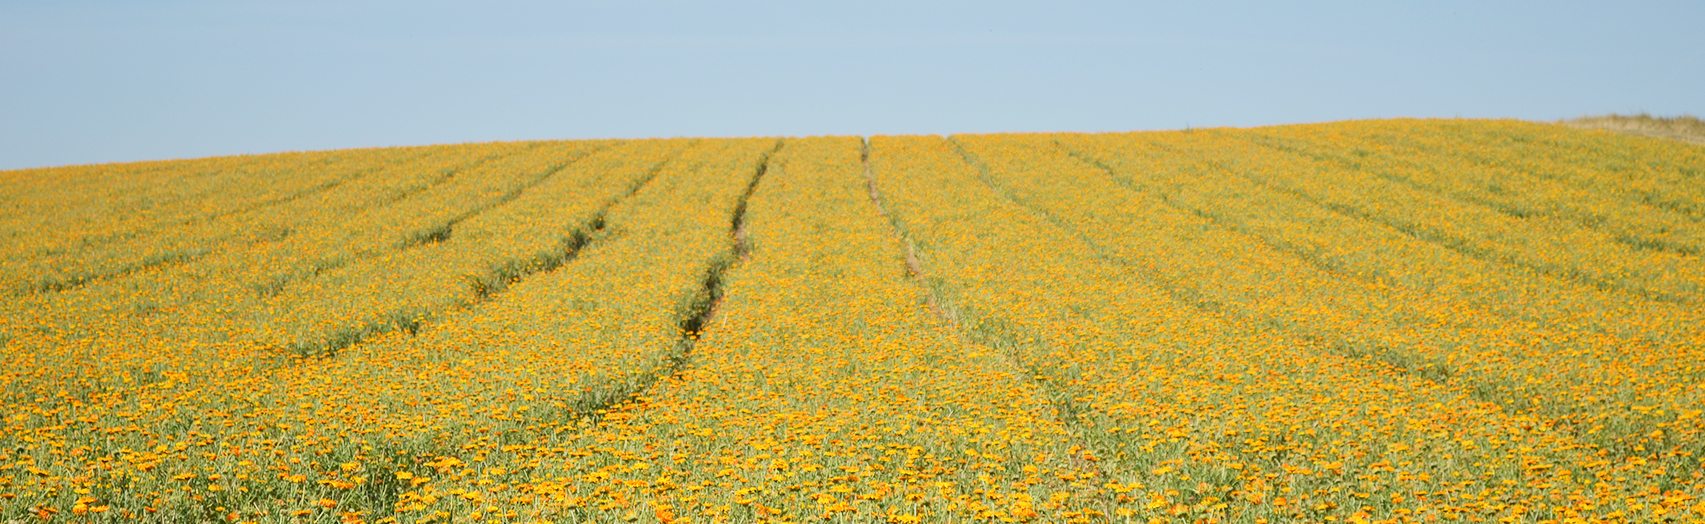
pixel 1409 320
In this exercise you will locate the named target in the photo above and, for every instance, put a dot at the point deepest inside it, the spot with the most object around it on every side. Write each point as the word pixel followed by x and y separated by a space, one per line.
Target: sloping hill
pixel 1408 320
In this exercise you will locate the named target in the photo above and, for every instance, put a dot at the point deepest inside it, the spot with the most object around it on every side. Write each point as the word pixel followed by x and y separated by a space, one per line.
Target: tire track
pixel 161 228
pixel 437 233
pixel 1436 373
pixel 442 231
pixel 482 287
pixel 1069 410
pixel 593 405
pixel 317 267
pixel 75 281
pixel 1175 290
pixel 1461 245
pixel 1374 276
pixel 1648 197
pixel 1512 211
pixel 1298 252
pixel 188 255
pixel 700 311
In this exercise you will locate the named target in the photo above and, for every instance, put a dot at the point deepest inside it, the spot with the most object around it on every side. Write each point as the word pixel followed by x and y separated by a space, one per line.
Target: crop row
pixel 366 431
pixel 1214 367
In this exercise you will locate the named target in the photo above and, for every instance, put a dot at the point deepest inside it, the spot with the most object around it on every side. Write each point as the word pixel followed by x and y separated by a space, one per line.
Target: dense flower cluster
pixel 1361 321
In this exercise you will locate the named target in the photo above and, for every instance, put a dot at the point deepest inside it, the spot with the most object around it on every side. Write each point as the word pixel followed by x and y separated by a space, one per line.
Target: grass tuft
pixel 431 235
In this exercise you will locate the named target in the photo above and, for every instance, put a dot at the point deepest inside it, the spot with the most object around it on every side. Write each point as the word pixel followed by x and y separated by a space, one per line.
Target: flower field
pixel 1371 321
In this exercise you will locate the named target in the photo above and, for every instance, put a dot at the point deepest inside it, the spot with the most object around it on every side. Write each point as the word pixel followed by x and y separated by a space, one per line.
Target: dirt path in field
pixel 705 302
pixel 914 268
pixel 1066 409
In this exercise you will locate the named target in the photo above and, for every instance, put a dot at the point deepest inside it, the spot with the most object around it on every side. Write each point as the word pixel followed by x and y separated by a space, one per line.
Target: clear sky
pixel 98 81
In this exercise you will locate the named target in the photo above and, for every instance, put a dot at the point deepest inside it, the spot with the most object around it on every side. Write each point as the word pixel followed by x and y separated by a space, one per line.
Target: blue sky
pixel 85 82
